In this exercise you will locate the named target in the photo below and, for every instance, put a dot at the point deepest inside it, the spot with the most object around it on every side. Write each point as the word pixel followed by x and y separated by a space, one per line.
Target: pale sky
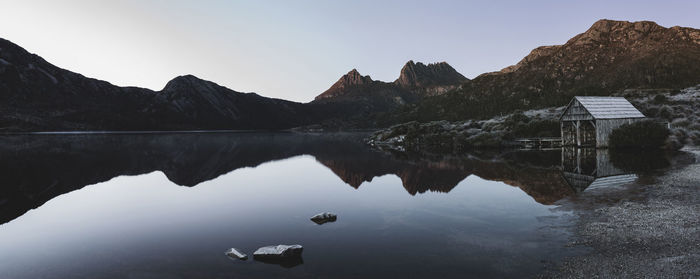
pixel 296 49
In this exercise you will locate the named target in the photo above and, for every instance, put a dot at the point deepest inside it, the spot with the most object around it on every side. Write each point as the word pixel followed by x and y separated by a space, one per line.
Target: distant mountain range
pixel 415 82
pixel 38 96
pixel 609 57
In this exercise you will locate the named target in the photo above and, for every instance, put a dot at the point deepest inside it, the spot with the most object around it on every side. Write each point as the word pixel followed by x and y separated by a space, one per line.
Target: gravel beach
pixel 648 230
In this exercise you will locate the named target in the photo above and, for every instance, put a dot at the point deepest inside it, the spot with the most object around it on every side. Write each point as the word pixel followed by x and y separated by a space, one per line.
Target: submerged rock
pixel 236 254
pixel 278 252
pixel 323 218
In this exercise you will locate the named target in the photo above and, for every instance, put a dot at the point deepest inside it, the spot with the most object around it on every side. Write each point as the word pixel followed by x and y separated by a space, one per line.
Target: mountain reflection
pixel 36 169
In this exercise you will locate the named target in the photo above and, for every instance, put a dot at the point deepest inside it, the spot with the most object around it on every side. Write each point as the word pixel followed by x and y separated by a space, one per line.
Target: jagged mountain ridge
pixel 416 81
pixel 414 77
pixel 609 57
pixel 429 80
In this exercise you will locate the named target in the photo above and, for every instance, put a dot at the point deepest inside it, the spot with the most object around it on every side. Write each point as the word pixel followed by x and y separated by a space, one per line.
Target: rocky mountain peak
pixel 190 85
pixel 415 81
pixel 421 75
pixel 184 81
pixel 350 80
pixel 354 78
pixel 606 31
pixel 607 40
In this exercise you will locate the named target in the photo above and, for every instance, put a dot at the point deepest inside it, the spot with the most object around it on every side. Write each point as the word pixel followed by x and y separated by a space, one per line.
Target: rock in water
pixel 323 218
pixel 236 254
pixel 278 252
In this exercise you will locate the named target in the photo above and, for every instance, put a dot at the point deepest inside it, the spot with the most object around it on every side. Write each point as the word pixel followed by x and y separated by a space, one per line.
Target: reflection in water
pixel 585 168
pixel 37 168
pixel 640 161
pixel 493 222
pixel 590 168
pixel 283 262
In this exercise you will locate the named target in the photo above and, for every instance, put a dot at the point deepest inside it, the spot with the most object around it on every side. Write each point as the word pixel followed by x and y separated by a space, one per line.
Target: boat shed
pixel 589 121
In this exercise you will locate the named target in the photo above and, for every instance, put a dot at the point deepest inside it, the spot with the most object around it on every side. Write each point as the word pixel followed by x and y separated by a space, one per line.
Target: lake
pixel 170 205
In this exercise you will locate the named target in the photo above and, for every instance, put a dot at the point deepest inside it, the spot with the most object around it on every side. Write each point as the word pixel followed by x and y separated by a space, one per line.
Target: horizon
pixel 299 43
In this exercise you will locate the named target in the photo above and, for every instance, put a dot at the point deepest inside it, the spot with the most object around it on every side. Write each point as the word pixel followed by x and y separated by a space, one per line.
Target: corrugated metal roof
pixel 612 181
pixel 609 107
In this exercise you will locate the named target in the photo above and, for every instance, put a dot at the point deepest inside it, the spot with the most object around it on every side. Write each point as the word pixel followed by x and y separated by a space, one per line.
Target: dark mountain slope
pixel 608 57
pixel 38 96
pixel 207 105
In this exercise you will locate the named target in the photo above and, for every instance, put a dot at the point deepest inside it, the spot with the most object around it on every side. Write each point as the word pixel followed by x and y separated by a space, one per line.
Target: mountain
pixel 415 82
pixel 609 57
pixel 35 95
pixel 38 96
pixel 360 94
pixel 207 105
pixel 346 84
pixel 429 80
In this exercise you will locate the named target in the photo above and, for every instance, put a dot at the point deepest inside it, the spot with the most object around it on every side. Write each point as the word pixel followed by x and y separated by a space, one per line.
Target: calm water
pixel 168 206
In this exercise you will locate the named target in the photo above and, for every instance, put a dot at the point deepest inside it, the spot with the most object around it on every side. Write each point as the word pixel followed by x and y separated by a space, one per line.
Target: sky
pixel 295 50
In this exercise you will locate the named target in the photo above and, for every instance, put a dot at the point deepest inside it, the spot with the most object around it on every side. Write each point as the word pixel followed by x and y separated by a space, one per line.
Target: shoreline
pixel 643 230
pixel 156 132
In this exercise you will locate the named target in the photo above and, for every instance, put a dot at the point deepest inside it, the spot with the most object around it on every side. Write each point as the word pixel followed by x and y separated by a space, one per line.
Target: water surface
pixel 169 205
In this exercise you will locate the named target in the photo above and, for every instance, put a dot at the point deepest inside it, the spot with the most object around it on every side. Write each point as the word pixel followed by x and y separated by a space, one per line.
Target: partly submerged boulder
pixel 278 251
pixel 323 218
pixel 236 254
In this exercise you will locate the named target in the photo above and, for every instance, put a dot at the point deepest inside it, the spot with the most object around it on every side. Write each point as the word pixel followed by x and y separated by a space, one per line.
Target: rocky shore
pixel 641 231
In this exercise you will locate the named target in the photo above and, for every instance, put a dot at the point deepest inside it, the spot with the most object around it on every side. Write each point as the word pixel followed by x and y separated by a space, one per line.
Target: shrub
pixel 694 127
pixel 516 118
pixel 665 112
pixel 677 139
pixel 660 99
pixel 642 134
pixel 681 122
pixel 648 110
pixel 695 138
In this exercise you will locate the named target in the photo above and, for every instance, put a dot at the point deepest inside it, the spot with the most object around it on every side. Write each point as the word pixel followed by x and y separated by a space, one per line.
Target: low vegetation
pixel 461 136
pixel 643 134
pixel 678 108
